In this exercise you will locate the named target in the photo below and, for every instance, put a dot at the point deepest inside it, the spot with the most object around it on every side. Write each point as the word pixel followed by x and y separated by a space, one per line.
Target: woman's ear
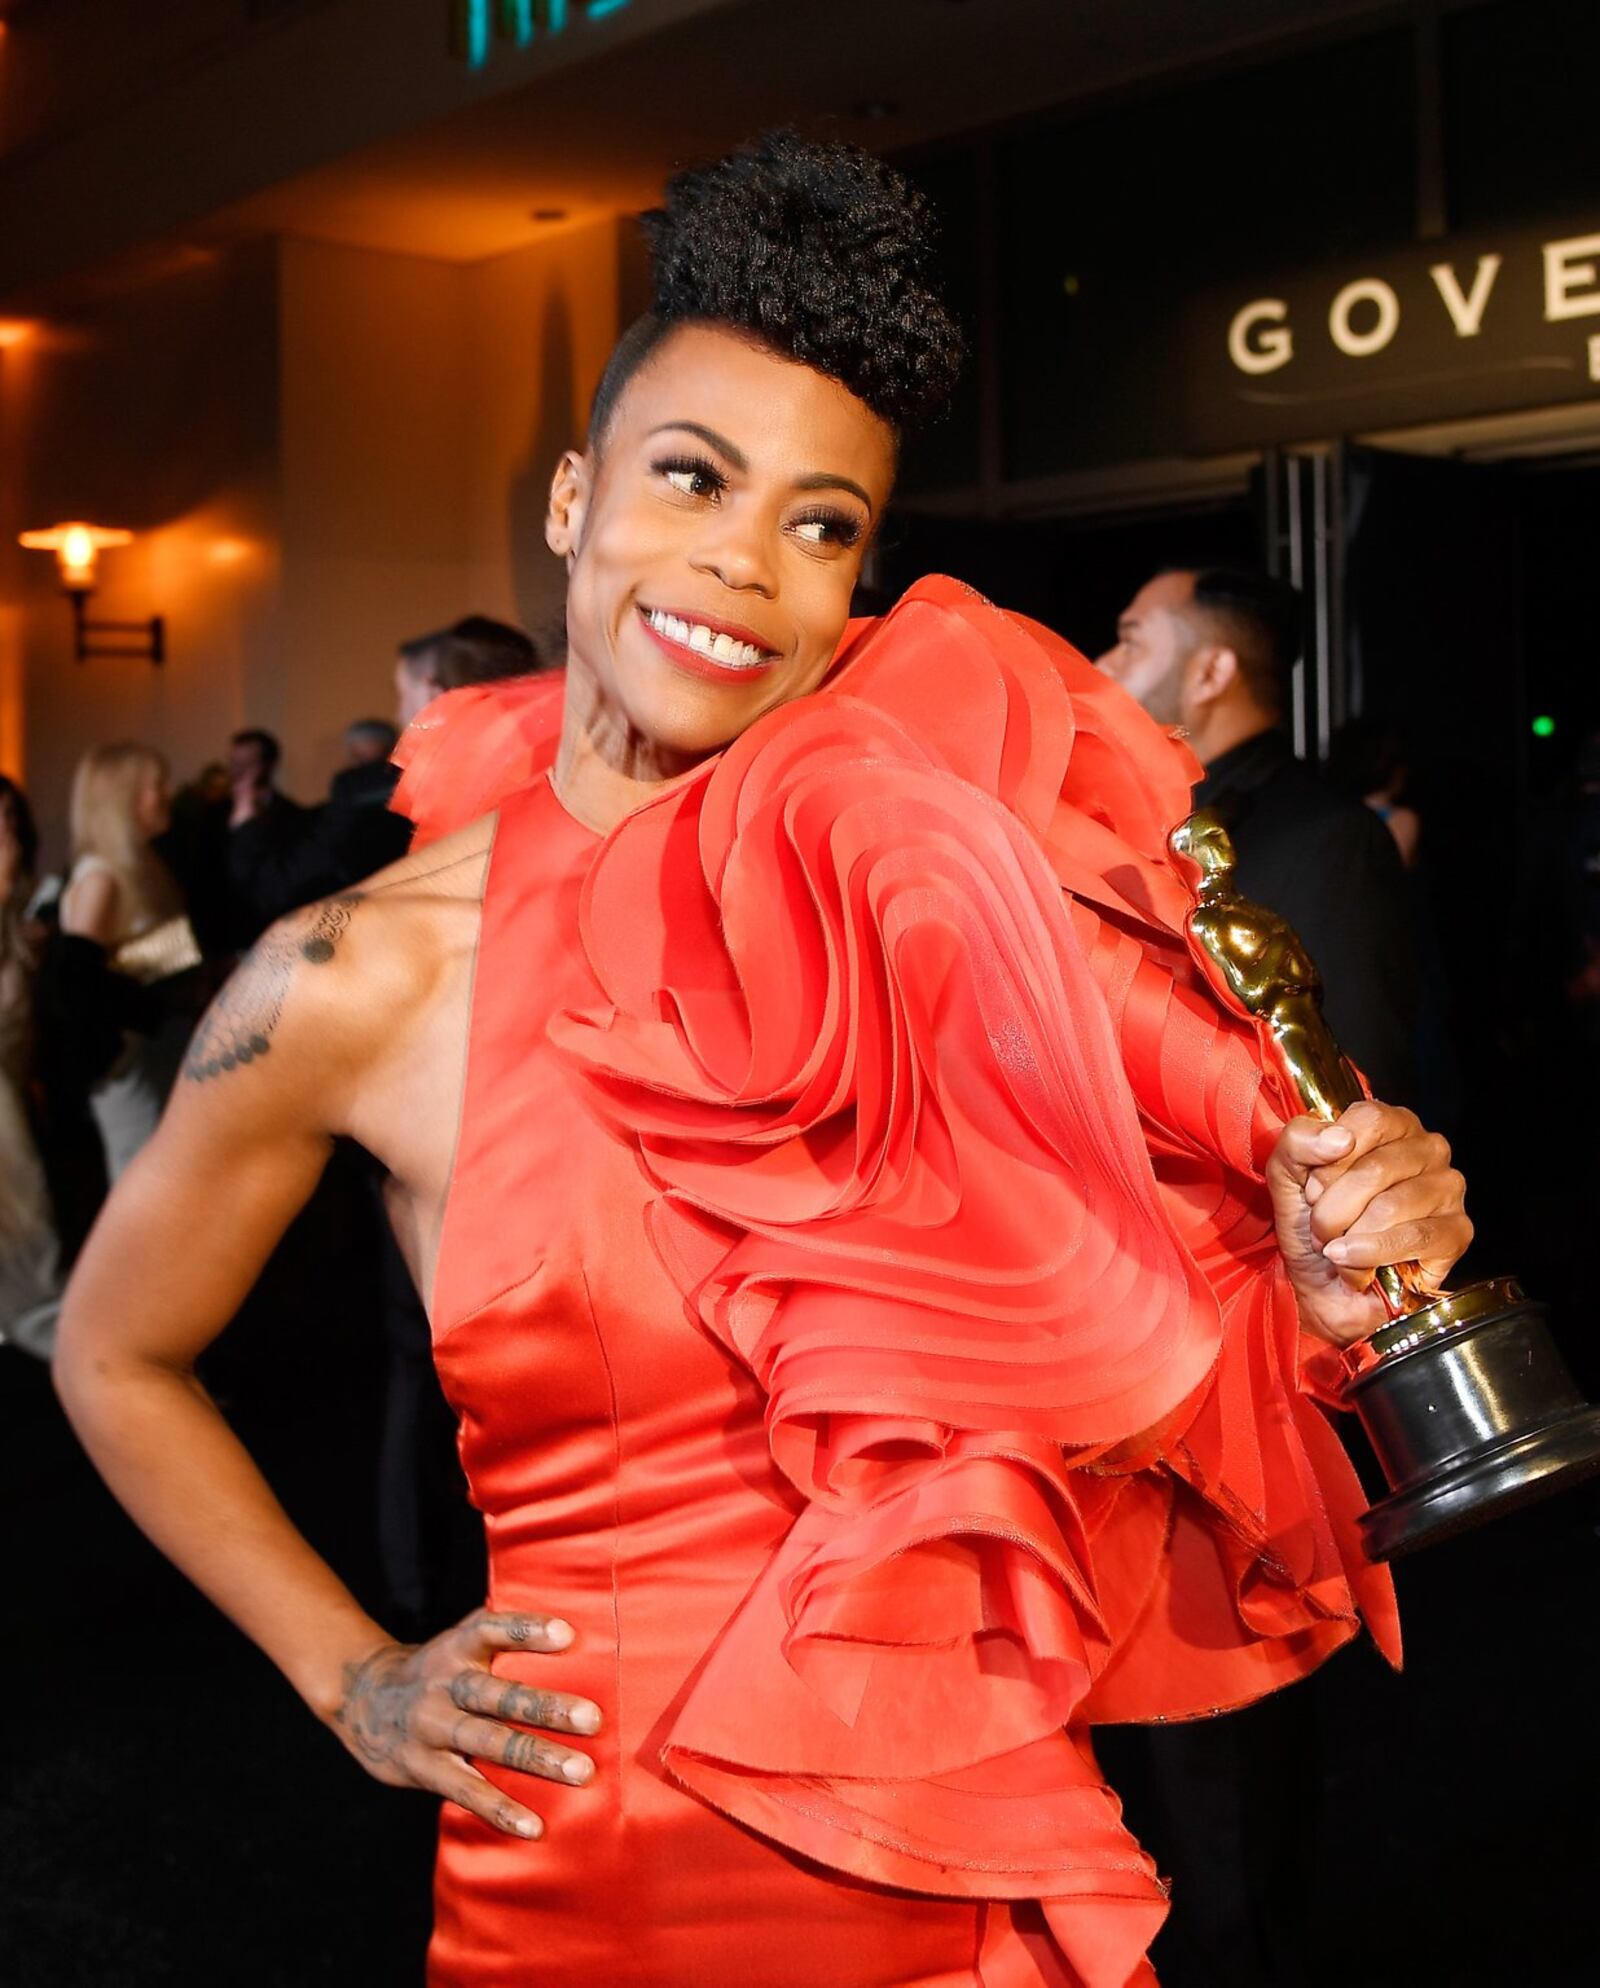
pixel 569 498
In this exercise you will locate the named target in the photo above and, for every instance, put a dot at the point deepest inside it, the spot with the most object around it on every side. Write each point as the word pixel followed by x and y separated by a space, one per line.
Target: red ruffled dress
pixel 859 1296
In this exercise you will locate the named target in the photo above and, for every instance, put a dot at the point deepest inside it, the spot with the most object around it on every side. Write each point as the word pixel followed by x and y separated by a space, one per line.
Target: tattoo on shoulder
pixel 238 1026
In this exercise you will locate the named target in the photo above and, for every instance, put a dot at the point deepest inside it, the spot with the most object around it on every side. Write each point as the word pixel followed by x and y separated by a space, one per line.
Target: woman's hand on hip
pixel 1372 1188
pixel 416 1715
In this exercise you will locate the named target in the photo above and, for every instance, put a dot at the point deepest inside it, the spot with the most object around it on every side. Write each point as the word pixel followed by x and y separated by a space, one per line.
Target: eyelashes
pixel 819 524
pixel 831 527
pixel 695 476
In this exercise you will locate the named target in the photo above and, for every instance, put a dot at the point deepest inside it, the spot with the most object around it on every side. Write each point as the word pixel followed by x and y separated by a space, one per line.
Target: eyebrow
pixel 823 481
pixel 819 480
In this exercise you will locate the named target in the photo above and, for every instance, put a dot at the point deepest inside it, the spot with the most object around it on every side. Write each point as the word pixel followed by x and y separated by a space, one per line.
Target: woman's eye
pixel 693 476
pixel 828 528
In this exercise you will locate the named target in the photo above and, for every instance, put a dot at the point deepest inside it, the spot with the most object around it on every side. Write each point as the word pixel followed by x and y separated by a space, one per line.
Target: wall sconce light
pixel 77 548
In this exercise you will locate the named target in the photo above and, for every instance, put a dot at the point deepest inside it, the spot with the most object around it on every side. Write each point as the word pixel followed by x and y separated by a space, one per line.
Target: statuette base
pixel 1471 1412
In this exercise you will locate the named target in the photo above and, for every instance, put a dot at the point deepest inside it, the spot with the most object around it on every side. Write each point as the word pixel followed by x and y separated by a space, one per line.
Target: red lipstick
pixel 696 661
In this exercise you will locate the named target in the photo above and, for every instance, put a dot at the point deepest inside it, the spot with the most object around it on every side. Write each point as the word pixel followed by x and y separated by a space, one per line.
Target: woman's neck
pixel 604 768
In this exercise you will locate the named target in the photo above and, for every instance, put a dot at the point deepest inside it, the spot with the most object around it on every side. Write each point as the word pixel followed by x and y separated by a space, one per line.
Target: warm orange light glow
pixel 76 546
pixel 11 728
pixel 15 331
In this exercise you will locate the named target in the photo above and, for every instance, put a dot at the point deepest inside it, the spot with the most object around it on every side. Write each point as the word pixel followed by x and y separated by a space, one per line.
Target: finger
pixel 527 1753
pixel 1306 1144
pixel 1418 1199
pixel 492 1630
pixel 478 1795
pixel 1414 1167
pixel 1370 1121
pixel 1370 1125
pixel 503 1698
pixel 1436 1242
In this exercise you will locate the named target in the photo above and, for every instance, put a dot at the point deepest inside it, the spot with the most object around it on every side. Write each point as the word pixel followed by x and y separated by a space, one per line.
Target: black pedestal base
pixel 1471 1412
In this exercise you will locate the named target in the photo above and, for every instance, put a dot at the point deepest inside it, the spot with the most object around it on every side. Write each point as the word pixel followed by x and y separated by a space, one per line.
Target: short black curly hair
pixel 819 252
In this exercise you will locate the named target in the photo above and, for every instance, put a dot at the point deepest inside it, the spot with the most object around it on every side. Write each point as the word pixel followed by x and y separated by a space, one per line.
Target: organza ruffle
pixel 467 750
pixel 953 1150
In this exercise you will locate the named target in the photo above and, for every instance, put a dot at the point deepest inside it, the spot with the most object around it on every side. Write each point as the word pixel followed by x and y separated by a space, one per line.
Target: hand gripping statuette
pixel 1467 1403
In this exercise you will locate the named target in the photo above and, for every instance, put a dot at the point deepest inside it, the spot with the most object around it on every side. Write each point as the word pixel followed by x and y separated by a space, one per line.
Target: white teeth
pixel 706 642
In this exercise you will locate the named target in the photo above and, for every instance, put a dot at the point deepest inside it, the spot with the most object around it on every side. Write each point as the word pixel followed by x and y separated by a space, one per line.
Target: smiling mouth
pixel 700 643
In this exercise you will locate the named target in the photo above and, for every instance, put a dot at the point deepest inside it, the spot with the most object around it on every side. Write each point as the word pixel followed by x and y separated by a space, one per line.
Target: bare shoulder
pixel 89 906
pixel 330 991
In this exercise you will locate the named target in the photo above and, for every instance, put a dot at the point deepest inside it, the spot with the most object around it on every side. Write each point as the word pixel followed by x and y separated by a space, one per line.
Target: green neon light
pixel 475 23
pixel 469 31
pixel 1544 728
pixel 515 21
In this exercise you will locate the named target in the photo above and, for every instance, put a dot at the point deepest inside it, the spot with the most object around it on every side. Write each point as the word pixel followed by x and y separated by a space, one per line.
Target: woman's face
pixel 152 808
pixel 714 544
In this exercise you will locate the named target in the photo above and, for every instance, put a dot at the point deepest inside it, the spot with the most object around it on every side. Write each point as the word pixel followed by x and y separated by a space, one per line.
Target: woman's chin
pixel 694 722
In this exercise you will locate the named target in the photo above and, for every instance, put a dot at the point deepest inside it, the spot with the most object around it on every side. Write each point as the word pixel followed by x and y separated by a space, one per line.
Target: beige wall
pixel 323 450
pixel 424 405
pixel 541 323
pixel 374 411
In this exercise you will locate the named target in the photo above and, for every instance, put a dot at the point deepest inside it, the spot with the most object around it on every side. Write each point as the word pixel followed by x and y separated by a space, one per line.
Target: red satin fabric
pixel 957 1403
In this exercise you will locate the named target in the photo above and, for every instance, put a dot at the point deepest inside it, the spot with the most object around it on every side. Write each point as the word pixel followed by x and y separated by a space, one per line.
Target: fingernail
pixel 1337 1251
pixel 586 1718
pixel 529 1825
pixel 1333 1138
pixel 557 1631
pixel 577 1769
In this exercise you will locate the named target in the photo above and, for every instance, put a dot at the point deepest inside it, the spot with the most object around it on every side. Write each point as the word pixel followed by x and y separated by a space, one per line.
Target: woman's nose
pixel 737 553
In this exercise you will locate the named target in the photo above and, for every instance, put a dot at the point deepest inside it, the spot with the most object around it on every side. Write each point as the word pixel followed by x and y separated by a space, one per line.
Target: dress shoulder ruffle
pixel 953 1150
pixel 472 748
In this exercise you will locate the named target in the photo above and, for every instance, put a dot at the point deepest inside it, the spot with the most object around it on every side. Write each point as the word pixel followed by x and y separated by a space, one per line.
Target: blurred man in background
pixel 281 856
pixel 1211 651
pixel 264 826
pixel 475 649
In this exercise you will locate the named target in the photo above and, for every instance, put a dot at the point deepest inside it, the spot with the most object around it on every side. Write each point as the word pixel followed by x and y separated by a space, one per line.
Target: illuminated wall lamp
pixel 77 547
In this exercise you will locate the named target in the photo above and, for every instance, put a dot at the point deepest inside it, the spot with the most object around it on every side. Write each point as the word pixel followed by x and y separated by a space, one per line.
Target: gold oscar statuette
pixel 1463 1395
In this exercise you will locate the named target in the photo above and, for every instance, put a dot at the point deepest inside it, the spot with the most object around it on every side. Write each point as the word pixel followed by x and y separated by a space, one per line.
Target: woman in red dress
pixel 881 1292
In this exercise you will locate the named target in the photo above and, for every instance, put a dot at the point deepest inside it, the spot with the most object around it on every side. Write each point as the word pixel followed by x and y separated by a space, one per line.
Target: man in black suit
pixel 264 827
pixel 1211 651
pixel 278 863
pixel 281 856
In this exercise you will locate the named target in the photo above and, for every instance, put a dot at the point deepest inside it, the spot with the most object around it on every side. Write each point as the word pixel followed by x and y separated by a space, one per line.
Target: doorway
pixel 1074 574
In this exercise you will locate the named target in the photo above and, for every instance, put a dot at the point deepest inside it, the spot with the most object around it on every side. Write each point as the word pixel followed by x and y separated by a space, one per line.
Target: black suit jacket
pixel 291 856
pixel 1332 868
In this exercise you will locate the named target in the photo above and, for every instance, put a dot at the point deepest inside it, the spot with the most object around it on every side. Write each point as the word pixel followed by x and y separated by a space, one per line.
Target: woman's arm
pixel 89 908
pixel 242 1145
pixel 168 1264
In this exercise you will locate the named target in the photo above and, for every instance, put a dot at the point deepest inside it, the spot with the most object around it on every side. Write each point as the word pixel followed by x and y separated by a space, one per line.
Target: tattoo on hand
pixel 375 1711
pixel 237 1028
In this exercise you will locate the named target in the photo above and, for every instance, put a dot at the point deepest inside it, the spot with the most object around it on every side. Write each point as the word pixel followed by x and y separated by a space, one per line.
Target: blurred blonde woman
pixel 29 1280
pixel 130 953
